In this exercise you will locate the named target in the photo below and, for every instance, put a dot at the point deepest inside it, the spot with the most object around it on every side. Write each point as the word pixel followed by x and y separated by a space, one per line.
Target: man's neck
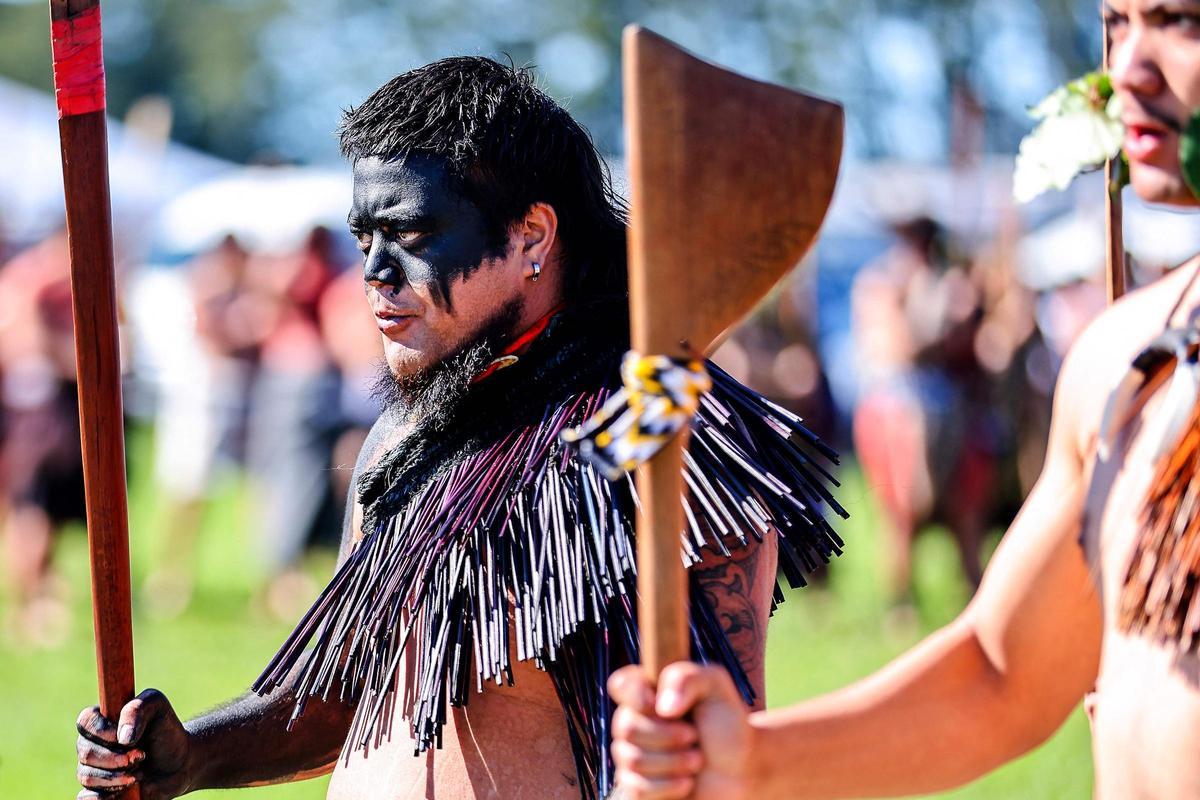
pixel 519 344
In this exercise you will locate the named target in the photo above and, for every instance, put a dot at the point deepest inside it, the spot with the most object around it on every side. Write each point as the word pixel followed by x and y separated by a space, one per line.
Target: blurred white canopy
pixel 268 209
pixel 144 172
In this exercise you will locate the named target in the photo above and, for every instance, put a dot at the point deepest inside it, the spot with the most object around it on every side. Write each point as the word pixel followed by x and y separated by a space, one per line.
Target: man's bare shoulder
pixel 1102 354
pixel 1126 327
pixel 383 436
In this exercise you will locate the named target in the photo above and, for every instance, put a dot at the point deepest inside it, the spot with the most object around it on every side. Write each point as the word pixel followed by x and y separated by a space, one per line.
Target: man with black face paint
pixel 484 589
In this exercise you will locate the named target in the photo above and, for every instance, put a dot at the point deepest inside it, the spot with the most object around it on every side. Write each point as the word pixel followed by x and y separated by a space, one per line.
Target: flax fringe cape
pixel 485 536
pixel 1160 595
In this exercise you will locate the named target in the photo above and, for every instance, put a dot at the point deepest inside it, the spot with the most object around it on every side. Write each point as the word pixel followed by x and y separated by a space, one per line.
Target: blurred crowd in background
pixel 922 336
pixel 255 354
pixel 255 362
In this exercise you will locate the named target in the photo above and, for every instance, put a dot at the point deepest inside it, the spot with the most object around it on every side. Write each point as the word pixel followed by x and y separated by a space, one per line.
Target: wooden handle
pixel 97 360
pixel 729 180
pixel 1115 269
pixel 84 139
pixel 662 580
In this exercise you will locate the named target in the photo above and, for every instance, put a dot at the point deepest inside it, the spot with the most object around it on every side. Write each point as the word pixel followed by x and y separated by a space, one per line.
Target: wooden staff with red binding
pixel 730 179
pixel 79 87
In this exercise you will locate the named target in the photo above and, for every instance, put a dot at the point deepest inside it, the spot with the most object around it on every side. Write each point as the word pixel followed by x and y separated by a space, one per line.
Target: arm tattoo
pixel 740 595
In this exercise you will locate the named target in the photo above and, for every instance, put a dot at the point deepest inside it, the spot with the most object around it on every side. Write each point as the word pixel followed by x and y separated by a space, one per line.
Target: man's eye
pixel 1187 22
pixel 363 239
pixel 403 236
pixel 1184 21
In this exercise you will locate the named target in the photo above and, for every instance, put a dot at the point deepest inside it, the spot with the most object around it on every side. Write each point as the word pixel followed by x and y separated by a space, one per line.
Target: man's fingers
pixel 92 754
pixel 139 713
pixel 683 685
pixel 650 732
pixel 96 778
pixel 628 686
pixel 95 728
pixel 657 764
pixel 637 787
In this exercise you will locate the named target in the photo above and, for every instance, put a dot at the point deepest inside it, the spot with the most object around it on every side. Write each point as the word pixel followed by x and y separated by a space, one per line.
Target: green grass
pixel 821 639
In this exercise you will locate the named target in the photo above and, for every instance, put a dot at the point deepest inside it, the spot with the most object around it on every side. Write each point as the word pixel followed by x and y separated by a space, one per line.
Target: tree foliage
pixel 266 78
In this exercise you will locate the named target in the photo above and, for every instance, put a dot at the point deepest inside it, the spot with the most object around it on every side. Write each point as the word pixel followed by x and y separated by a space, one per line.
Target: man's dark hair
pixel 506 145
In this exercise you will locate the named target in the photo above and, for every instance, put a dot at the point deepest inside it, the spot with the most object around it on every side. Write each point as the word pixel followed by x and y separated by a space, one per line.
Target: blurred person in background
pixel 775 351
pixel 1009 349
pixel 1091 594
pixel 796 369
pixel 921 427
pixel 41 470
pixel 293 416
pixel 201 417
pixel 352 339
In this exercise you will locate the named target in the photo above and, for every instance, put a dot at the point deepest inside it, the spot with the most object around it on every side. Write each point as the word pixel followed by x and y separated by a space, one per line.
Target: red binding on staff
pixel 78 63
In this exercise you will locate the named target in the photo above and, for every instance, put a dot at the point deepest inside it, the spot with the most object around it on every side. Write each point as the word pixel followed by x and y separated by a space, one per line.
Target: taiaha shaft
pixel 79 87
pixel 1115 270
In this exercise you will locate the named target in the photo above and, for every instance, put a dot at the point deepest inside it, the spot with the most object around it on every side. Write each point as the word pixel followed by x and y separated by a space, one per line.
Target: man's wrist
pixel 195 761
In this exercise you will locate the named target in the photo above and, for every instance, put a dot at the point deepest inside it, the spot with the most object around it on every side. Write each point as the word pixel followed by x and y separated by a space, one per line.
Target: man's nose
pixel 378 267
pixel 1131 64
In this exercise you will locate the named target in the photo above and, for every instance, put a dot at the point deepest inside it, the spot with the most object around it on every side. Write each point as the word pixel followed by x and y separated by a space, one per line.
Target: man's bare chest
pixel 509 742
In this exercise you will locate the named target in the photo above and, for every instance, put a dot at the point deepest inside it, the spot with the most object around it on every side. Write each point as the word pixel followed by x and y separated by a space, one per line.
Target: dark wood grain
pixel 62 9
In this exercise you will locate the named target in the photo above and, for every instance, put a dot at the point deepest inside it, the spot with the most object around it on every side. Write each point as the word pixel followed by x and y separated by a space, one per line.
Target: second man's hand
pixel 660 755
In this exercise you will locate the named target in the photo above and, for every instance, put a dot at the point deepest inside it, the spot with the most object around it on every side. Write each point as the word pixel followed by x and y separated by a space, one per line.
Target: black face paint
pixel 412 226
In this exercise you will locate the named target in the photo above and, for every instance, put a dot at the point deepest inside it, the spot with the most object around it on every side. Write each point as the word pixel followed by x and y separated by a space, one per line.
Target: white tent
pixel 143 174
pixel 268 209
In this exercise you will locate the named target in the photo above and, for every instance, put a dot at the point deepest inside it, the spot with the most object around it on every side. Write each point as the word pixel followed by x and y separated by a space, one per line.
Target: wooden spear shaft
pixel 79 83
pixel 1114 234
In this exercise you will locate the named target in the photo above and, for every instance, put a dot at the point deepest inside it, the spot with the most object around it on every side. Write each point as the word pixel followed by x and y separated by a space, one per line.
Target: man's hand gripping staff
pixel 147 745
pixel 730 180
pixel 660 756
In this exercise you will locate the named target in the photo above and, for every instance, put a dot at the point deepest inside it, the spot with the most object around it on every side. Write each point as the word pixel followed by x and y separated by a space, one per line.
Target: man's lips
pixel 393 321
pixel 1144 138
pixel 394 324
pixel 390 316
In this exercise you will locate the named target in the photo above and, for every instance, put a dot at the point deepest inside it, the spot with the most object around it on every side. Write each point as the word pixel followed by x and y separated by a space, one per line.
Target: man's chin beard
pixel 430 395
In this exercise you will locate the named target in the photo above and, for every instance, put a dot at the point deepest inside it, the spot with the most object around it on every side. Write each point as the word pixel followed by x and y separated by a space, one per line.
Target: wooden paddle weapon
pixel 79 86
pixel 729 179
pixel 1115 270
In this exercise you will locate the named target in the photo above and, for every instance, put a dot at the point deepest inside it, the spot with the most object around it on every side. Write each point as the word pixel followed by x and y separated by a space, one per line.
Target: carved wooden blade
pixel 729 179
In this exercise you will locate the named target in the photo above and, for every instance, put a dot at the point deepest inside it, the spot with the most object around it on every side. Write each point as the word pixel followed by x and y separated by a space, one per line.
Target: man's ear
pixel 539 232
